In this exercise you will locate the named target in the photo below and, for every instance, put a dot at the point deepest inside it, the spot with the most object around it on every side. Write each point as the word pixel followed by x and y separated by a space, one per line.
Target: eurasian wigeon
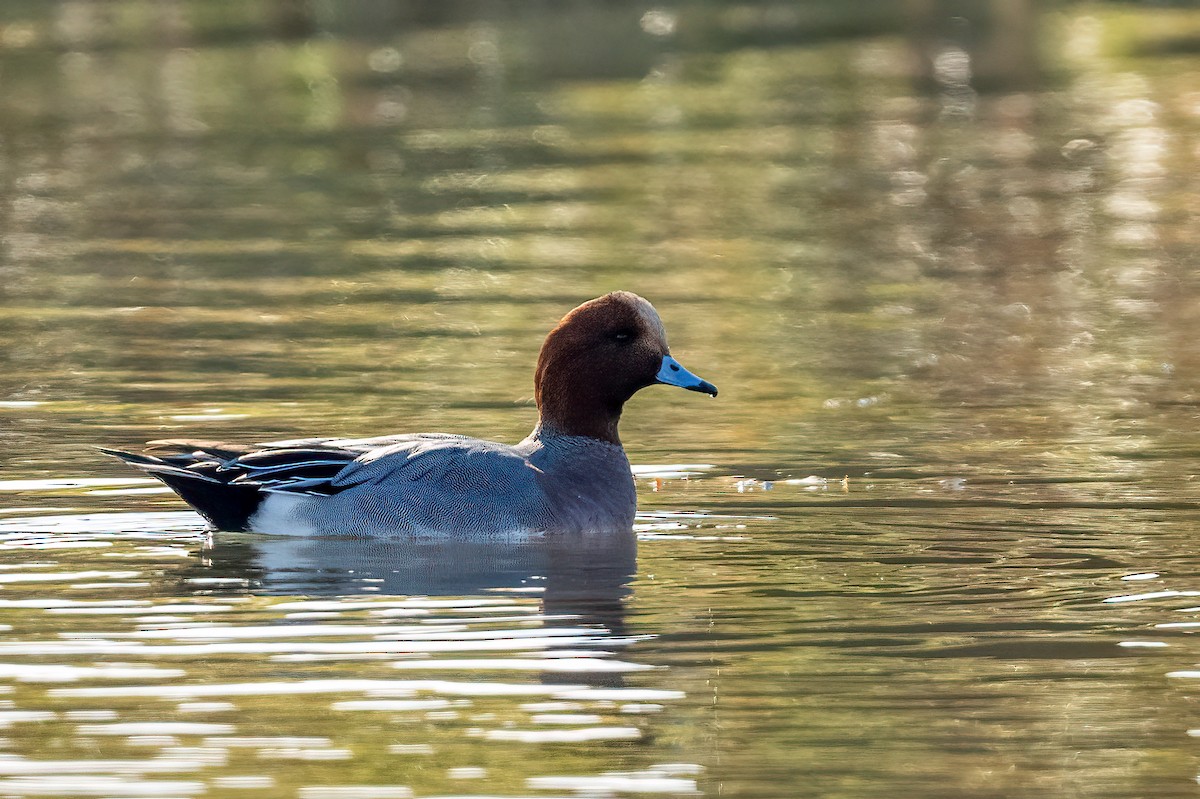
pixel 570 475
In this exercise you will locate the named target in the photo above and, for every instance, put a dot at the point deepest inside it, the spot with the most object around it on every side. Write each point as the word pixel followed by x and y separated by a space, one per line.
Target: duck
pixel 569 475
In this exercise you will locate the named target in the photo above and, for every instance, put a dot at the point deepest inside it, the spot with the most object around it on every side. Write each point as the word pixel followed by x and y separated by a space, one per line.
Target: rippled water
pixel 934 539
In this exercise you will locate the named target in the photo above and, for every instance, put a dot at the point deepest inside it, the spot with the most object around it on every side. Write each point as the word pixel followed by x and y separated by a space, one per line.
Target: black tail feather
pixel 226 505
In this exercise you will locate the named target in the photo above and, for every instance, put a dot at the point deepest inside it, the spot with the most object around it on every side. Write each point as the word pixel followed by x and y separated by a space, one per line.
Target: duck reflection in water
pixel 581 581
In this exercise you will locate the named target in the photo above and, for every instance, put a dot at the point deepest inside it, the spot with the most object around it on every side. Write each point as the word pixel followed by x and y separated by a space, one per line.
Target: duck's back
pixel 455 485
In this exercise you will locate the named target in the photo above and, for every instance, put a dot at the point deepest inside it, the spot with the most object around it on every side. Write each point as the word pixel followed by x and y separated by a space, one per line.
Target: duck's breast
pixel 588 483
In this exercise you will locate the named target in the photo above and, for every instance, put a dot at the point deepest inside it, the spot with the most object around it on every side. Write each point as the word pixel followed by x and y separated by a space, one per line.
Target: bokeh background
pixel 360 216
pixel 940 256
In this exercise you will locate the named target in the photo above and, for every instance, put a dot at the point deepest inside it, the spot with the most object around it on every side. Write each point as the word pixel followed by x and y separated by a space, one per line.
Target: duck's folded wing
pixel 320 466
pixel 440 465
pixel 264 467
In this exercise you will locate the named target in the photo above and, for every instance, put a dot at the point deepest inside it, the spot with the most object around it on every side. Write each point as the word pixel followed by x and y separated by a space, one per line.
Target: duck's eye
pixel 622 336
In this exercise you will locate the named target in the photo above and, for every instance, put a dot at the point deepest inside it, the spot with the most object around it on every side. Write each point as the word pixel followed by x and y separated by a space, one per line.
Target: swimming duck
pixel 570 475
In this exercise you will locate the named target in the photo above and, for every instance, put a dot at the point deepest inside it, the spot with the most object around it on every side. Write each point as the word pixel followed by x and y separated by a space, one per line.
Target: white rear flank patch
pixel 279 514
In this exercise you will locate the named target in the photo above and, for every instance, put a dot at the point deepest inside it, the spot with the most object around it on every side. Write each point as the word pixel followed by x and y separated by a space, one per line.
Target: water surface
pixel 934 538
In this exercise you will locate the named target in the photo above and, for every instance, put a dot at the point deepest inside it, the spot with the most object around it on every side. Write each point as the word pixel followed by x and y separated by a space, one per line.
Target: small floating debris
pixel 816 483
pixel 811 480
pixel 852 402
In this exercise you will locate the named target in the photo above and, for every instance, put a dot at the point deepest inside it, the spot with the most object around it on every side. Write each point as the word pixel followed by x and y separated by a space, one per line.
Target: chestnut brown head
pixel 597 357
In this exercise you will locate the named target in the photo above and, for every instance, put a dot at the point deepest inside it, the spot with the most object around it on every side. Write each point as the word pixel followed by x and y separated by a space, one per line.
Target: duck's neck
pixel 580 420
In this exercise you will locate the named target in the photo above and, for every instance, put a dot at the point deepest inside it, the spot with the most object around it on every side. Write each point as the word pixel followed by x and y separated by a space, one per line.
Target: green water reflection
pixel 941 257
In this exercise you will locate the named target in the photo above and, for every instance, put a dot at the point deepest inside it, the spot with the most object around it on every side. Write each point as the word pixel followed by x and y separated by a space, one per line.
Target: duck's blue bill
pixel 672 373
